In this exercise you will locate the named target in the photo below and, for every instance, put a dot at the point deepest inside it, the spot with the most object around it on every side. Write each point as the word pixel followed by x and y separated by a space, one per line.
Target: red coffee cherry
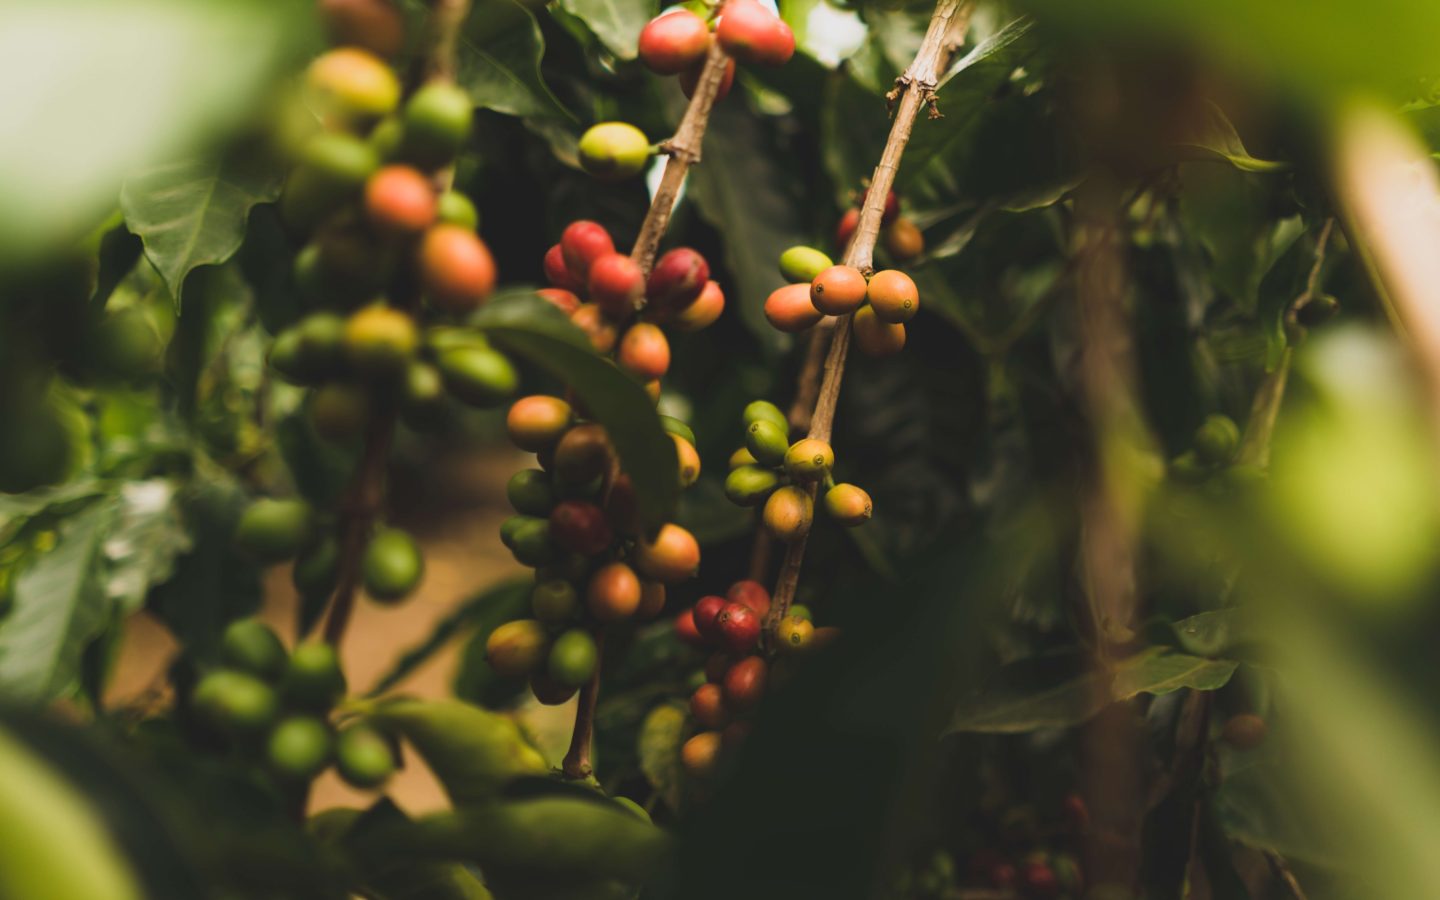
pixel 644 352
pixel 745 683
pixel 671 43
pixel 400 201
pixel 690 79
pixel 893 296
pixel 845 230
pixel 623 506
pixel 613 593
pixel 558 273
pixel 590 319
pixel 707 614
pixel 789 308
pixel 699 755
pixel 838 291
pixel 581 527
pixel 537 422
pixel 677 280
pixel 752 594
pixel 375 25
pixel 672 556
pixel 456 269
pixel 752 34
pixel 904 240
pixel 707 707
pixel 1038 880
pixel 581 243
pixel 686 631
pixel 1245 731
pixel 561 299
pixel 892 206
pixel 703 312
pixel 616 284
pixel 875 337
pixel 738 627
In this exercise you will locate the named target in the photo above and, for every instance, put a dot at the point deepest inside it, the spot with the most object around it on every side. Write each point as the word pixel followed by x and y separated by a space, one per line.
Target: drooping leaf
pixel 499 62
pixel 616 23
pixel 194 212
pixel 659 747
pixel 1216 139
pixel 473 751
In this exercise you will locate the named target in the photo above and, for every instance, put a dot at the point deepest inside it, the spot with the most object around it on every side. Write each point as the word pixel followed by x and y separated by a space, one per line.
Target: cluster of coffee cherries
pixel 607 295
pixel 881 303
pixel 577 526
pixel 273 530
pixel 901 237
pixel 771 470
pixel 1030 852
pixel 729 628
pixel 277 708
pixel 677 42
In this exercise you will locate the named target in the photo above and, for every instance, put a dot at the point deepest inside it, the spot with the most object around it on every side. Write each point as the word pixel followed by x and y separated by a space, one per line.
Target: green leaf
pixel 659 746
pixel 194 212
pixel 505 601
pixel 59 606
pixel 499 62
pixel 1024 699
pixel 1217 140
pixel 523 324
pixel 617 23
pixel 144 542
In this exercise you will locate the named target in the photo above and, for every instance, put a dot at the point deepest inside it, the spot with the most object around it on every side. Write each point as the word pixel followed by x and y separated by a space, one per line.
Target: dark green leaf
pixel 616 23
pixel 119 251
pixel 659 747
pixel 499 61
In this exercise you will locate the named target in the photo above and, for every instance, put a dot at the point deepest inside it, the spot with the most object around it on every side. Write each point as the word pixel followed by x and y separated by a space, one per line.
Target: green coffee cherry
pixel 457 209
pixel 742 457
pixel 422 394
pixel 380 341
pixel 272 530
pixel 530 492
pixel 766 442
pixel 235 702
pixel 750 485
pixel 322 343
pixel 437 122
pixel 364 757
pixel 554 601
pixel 765 411
pixel 531 544
pixel 800 265
pixel 478 376
pixel 573 658
pixel 288 358
pixel 848 504
pixel 612 151
pixel 339 411
pixel 678 428
pixel 393 565
pixel 332 172
pixel 317 568
pixel 517 648
pixel 385 138
pixel 249 645
pixel 789 512
pixel 801 611
pixel 313 680
pixel 299 748
pixel 511 527
pixel 809 459
pixel 1217 440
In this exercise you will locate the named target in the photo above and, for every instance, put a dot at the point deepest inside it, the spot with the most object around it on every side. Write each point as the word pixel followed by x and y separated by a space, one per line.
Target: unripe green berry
pixel 750 485
pixel 848 504
pixel 801 611
pixel 554 601
pixel 677 427
pixel 339 411
pixel 422 394
pixel 313 679
pixel 299 748
pixel 765 411
pixel 272 530
pixel 766 442
pixel 249 645
pixel 530 492
pixel 380 340
pixel 393 565
pixel 742 457
pixel 614 150
pixel 477 376
pixel 789 512
pixel 235 702
pixel 363 757
pixel 1216 440
pixel 317 568
pixel 809 459
pixel 457 209
pixel 437 122
pixel 800 265
pixel 531 544
pixel 332 171
pixel 573 657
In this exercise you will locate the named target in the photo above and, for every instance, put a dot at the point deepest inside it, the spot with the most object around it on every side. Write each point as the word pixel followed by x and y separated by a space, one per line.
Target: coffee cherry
pixel 602 332
pixel 478 376
pixel 752 594
pixel 299 748
pixel 583 454
pixel 738 628
pixel 235 703
pixel 437 122
pixel 374 25
pixel 456 269
pixel 764 411
pixel 1245 731
pixel 838 291
pixel 422 394
pixel 613 593
pixel 616 284
pixel 313 679
pixel 1038 880
pixel 740 458
pixel 380 341
pixel 752 34
pixel 517 648
pixel 690 79
pixel 612 151
pixel 744 684
pixel 893 296
pixel 400 201
pixel 538 421
pixel 706 616
pixel 622 506
pixel 685 630
pixel 703 312
pixel 801 265
pixel 903 240
pixel 789 309
pixel 352 85
pixel 580 527
pixel 875 337
pixel 581 243
pixel 339 410
pixel 554 601
pixel 801 611
pixel 788 513
pixel 677 280
pixel 332 171
pixel 707 707
pixel 386 137
pixel 678 428
pixel 568 567
pixel 848 504
pixel 573 658
pixel 688 459
pixel 454 208
pixel 793 633
pixel 272 530
pixel 529 540
pixel 558 273
pixel 809 459
pixel 249 645
pixel 671 43
pixel 700 754
pixel 672 556
pixel 322 342
pixel 317 568
pixel 846 228
pixel 548 691
pixel 766 442
pixel 363 757
pixel 1216 440
pixel 393 565
pixel 561 299
pixel 644 352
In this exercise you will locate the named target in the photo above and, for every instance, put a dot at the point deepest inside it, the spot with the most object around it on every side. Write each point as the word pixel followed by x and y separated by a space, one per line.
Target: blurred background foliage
pixel 143 270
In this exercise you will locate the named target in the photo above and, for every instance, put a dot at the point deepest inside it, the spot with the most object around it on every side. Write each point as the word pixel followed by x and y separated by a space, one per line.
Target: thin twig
pixel 1287 877
pixel 577 760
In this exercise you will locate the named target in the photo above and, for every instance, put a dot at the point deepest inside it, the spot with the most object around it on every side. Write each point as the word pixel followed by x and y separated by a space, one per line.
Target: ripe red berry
pixel 616 284
pixel 789 308
pixel 703 312
pixel 753 34
pixel 707 707
pixel 838 290
pixel 739 628
pixel 456 268
pixel 892 206
pixel 671 43
pixel 690 79
pixel 558 273
pixel 613 593
pixel 707 612
pixel 561 299
pixel 893 296
pixel 399 200
pixel 904 240
pixel 752 594
pixel 580 527
pixel 745 683
pixel 581 243
pixel 1038 880
pixel 644 352
pixel 685 630
pixel 677 280
pixel 846 228
pixel 623 506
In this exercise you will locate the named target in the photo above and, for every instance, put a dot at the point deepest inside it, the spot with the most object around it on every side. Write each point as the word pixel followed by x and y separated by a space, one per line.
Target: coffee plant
pixel 433 463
